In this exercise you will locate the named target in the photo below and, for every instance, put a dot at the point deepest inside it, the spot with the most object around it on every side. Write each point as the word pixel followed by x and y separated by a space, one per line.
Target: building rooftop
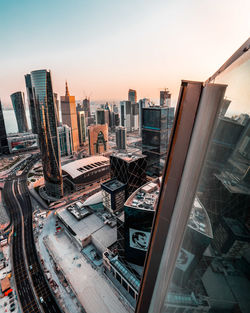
pixel 237 228
pixel 78 167
pixel 128 157
pixel 113 184
pixel 145 197
pixel 199 219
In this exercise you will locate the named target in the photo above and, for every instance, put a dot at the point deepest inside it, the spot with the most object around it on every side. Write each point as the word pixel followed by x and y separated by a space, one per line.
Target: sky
pixel 103 48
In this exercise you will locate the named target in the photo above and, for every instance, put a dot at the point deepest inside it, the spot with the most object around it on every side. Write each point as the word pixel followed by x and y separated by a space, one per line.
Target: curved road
pixel 17 199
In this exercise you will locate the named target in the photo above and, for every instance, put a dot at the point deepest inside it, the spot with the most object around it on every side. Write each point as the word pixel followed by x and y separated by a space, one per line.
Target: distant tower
pixel 4 149
pixel 81 126
pixel 165 98
pixel 17 99
pixel 48 133
pixel 132 96
pixel 102 116
pixel 69 117
pixel 32 107
pixel 86 107
pixel 121 138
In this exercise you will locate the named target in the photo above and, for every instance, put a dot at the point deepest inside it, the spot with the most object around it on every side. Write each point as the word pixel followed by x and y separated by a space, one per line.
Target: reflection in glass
pixel 212 270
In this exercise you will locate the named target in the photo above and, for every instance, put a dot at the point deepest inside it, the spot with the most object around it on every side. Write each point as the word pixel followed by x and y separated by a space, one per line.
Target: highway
pixel 33 293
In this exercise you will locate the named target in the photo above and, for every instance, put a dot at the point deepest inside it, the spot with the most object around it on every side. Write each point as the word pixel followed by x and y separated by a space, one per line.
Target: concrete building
pixel 98 139
pixel 22 142
pixel 69 117
pixel 165 98
pixel 102 116
pixel 121 138
pixel 86 107
pixel 80 173
pixel 17 100
pixel 132 96
pixel 113 192
pixel 129 115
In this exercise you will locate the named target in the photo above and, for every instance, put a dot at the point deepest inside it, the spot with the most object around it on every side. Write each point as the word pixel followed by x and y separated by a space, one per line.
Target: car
pixel 12 309
pixel 41 299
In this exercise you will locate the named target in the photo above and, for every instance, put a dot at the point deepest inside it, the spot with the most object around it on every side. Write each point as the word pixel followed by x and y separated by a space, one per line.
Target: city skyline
pixel 112 46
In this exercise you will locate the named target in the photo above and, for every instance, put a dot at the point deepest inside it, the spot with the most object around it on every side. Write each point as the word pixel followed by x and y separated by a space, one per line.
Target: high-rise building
pixel 129 115
pixel 81 127
pixel 121 138
pixel 86 107
pixel 65 140
pixel 165 98
pixel 132 96
pixel 17 99
pixel 143 103
pixel 57 109
pixel 129 169
pixel 32 107
pixel 4 149
pixel 113 195
pixel 102 116
pixel 98 139
pixel 69 117
pixel 157 123
pixel 47 131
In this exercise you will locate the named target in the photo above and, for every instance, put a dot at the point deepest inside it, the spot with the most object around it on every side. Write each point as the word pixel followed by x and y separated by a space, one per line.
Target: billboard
pixel 139 239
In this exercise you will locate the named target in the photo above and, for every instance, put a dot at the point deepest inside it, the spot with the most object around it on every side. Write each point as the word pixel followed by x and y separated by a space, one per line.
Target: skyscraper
pixel 69 117
pixel 47 130
pixel 4 149
pixel 32 107
pixel 98 139
pixel 102 116
pixel 121 138
pixel 86 107
pixel 81 127
pixel 17 99
pixel 57 108
pixel 156 127
pixel 129 115
pixel 165 98
pixel 132 95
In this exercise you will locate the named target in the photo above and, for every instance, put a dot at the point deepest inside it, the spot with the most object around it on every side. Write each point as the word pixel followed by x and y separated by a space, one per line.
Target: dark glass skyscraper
pixel 17 99
pixel 3 136
pixel 157 123
pixel 47 131
pixel 32 107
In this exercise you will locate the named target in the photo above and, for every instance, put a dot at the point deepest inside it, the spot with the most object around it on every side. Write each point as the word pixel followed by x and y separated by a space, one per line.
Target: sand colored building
pixel 98 139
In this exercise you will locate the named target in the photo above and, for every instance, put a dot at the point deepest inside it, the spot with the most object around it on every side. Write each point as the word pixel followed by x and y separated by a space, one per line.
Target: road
pixel 32 286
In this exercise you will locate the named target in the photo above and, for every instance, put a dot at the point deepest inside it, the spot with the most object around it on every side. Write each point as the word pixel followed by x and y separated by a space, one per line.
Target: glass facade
pixel 3 136
pixel 32 107
pixel 203 215
pixel 17 99
pixel 81 126
pixel 48 134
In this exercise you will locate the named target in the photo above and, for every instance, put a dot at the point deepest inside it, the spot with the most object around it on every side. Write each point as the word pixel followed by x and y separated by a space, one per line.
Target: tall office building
pixel 32 107
pixel 81 127
pixel 17 99
pixel 121 138
pixel 129 169
pixel 65 139
pixel 132 95
pixel 57 108
pixel 129 115
pixel 165 98
pixel 4 149
pixel 47 130
pixel 157 123
pixel 69 117
pixel 143 103
pixel 86 107
pixel 98 139
pixel 102 116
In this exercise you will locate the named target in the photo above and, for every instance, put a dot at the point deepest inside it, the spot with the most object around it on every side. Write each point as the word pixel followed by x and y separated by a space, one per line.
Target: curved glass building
pixel 17 99
pixel 32 107
pixel 47 132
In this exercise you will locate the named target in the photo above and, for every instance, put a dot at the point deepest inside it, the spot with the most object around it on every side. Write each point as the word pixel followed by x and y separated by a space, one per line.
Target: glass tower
pixel 17 99
pixel 47 130
pixel 32 107
pixel 3 136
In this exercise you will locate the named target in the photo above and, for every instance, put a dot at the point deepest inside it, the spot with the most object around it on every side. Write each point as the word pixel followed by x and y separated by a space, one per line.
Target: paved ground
pixel 93 290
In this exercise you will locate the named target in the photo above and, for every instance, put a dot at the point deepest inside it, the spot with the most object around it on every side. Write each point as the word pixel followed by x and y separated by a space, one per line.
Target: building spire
pixel 67 90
